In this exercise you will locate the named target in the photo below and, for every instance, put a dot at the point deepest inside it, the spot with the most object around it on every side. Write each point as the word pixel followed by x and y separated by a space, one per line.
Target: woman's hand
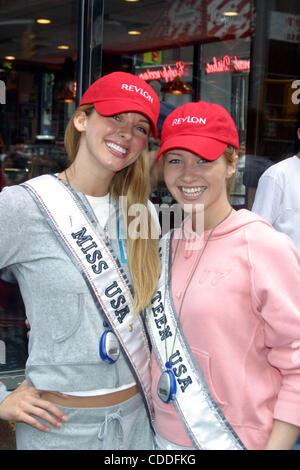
pixel 283 436
pixel 24 402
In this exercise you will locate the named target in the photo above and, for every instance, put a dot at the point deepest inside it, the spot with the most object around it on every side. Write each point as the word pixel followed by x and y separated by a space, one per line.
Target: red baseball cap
pixel 121 92
pixel 202 128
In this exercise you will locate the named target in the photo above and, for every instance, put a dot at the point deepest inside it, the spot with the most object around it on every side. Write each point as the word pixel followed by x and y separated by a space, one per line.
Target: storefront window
pixel 38 49
pixel 225 68
pixel 198 50
pixel 273 102
pixel 169 72
pixel 242 55
pixel 37 97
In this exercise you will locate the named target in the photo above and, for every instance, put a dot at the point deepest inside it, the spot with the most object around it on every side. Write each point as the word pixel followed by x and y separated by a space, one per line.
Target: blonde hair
pixel 230 155
pixel 133 182
pixel 72 136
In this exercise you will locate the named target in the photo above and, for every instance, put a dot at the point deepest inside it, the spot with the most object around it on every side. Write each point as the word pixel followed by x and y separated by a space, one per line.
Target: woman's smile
pixel 117 150
pixel 192 193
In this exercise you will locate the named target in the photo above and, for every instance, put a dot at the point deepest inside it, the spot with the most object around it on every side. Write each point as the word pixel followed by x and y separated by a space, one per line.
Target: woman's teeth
pixel 116 148
pixel 193 191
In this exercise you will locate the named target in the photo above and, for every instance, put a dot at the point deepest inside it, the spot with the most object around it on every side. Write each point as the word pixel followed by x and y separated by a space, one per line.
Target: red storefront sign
pixel 167 73
pixel 227 64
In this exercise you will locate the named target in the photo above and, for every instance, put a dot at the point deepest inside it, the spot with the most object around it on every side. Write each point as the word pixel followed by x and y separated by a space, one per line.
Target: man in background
pixel 277 197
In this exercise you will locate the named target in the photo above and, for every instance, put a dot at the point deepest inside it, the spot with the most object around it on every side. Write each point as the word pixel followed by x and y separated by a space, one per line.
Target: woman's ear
pixel 80 121
pixel 231 167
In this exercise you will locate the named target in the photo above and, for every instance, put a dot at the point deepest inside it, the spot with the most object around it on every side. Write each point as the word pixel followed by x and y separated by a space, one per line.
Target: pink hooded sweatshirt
pixel 241 318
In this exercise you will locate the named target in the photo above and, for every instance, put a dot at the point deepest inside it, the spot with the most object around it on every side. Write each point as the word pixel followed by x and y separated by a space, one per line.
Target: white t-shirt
pixel 277 197
pixel 100 206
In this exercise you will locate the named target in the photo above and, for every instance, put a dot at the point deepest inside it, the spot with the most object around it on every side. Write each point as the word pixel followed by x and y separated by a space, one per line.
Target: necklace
pixel 166 387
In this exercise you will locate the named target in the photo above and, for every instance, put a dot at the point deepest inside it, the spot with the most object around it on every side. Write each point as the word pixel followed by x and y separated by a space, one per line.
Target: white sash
pixel 92 255
pixel 204 422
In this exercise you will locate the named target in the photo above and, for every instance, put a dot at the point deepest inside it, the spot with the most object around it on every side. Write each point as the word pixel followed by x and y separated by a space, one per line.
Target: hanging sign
pixel 227 64
pixel 167 73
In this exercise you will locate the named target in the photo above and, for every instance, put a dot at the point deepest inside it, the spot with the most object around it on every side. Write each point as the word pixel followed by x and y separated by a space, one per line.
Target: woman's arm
pixel 278 302
pixel 283 436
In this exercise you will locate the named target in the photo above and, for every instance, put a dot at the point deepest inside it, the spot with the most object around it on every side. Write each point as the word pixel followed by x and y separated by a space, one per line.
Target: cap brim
pixel 111 107
pixel 204 147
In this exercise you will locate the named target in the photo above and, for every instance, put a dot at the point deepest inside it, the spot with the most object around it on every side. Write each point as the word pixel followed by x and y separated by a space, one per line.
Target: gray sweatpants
pixel 121 427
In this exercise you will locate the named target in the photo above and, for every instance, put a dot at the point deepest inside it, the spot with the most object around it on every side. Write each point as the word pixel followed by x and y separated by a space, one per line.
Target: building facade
pixel 242 54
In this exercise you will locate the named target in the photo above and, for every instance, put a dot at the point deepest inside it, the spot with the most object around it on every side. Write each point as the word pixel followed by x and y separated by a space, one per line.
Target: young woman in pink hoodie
pixel 225 320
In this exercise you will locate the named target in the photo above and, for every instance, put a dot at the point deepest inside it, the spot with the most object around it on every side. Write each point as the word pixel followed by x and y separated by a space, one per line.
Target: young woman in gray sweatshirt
pixel 76 394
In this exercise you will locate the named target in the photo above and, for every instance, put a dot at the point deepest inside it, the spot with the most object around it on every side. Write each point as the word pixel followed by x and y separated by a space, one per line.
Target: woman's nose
pixel 188 173
pixel 125 131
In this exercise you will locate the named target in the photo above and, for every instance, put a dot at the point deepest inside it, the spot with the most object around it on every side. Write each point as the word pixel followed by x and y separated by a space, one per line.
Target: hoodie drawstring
pixel 111 418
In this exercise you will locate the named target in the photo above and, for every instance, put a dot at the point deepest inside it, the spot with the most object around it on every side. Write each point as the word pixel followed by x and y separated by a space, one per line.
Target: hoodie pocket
pixel 67 316
pixel 204 361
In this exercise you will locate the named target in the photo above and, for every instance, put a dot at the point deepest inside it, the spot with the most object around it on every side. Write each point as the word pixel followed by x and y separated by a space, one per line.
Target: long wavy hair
pixel 231 156
pixel 133 182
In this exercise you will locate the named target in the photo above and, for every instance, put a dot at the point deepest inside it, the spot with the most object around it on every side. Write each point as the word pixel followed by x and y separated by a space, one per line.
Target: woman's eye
pixel 174 161
pixel 116 117
pixel 202 161
pixel 143 130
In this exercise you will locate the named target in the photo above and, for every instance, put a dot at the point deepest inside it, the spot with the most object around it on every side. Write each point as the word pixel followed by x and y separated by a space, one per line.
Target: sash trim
pixel 213 427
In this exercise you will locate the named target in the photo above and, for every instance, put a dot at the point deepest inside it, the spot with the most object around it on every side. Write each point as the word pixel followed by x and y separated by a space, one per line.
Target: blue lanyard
pixel 121 248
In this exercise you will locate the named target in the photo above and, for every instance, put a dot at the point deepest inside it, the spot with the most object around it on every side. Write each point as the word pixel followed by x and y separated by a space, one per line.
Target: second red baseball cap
pixel 202 128
pixel 121 92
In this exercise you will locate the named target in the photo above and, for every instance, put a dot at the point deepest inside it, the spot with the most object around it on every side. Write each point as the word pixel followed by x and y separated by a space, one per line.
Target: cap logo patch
pixel 190 120
pixel 136 89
